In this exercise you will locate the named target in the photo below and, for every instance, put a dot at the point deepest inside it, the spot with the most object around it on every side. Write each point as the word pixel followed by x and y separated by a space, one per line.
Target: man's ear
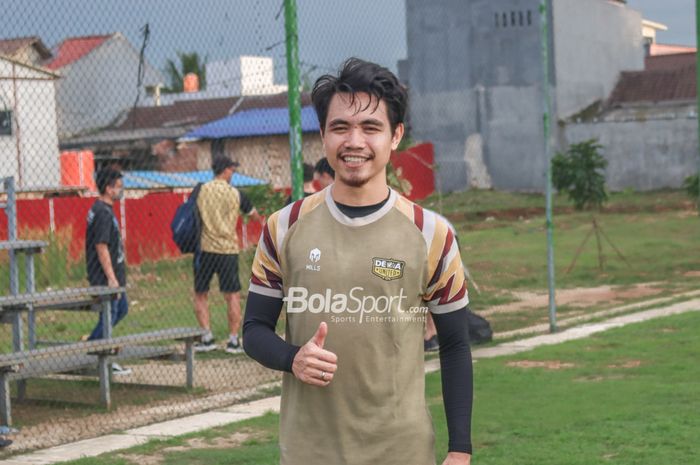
pixel 398 135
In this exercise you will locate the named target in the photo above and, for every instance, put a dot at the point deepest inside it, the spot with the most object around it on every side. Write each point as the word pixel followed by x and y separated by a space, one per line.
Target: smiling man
pixel 359 268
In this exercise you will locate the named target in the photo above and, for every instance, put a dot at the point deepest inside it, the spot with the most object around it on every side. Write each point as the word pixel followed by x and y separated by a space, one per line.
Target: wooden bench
pixel 29 249
pixel 92 299
pixel 98 353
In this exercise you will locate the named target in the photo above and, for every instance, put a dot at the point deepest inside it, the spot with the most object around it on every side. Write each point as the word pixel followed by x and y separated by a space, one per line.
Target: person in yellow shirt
pixel 220 205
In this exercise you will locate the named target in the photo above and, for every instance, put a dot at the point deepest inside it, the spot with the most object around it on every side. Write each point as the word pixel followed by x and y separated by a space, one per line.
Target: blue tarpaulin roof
pixel 258 122
pixel 154 179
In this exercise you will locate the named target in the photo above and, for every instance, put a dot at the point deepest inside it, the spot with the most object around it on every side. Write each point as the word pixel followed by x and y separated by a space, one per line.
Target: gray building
pixel 475 73
pixel 99 76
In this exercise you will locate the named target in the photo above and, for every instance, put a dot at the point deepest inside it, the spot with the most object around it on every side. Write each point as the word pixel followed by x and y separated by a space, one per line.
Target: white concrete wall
pixel 594 40
pixel 644 155
pixel 34 135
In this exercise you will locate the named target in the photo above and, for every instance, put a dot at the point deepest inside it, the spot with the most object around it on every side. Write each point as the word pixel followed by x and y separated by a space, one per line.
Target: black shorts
pixel 224 265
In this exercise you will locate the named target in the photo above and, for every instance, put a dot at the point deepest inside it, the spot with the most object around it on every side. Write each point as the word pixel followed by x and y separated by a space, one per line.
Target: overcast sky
pixel 329 30
pixel 678 15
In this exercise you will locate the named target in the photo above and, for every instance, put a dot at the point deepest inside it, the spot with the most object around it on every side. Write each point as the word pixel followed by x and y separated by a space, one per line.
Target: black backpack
pixel 187 224
pixel 479 328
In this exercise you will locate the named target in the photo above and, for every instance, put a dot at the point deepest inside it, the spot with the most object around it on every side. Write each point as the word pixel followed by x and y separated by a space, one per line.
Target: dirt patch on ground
pixel 156 458
pixel 547 364
pixel 577 297
pixel 627 364
pixel 692 274
pixel 521 213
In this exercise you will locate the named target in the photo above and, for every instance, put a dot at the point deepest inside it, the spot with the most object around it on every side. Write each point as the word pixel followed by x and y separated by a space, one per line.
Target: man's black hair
pixel 220 162
pixel 308 172
pixel 361 76
pixel 105 178
pixel 322 166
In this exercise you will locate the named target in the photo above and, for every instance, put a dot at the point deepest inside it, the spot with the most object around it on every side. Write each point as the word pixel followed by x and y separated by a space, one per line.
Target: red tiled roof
pixel 197 112
pixel 11 46
pixel 669 62
pixel 666 78
pixel 74 48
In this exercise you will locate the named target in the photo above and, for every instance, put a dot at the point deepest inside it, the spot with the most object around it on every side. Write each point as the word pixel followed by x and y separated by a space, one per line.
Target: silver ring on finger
pixel 323 375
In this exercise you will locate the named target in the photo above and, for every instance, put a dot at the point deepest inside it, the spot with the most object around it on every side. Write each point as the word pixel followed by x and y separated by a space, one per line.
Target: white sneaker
pixel 119 370
pixel 205 346
pixel 234 347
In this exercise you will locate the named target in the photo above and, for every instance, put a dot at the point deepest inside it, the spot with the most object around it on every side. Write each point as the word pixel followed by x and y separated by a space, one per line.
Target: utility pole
pixel 549 115
pixel 294 98
pixel 697 64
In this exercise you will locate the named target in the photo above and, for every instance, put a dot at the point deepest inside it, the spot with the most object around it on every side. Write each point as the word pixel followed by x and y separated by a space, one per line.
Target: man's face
pixel 117 190
pixel 228 173
pixel 322 180
pixel 358 140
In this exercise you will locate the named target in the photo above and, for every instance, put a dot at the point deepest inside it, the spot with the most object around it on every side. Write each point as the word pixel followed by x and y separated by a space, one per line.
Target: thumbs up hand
pixel 314 365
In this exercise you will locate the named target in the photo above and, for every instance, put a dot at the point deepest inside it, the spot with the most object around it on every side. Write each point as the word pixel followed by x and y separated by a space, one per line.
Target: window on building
pixel 5 122
pixel 519 18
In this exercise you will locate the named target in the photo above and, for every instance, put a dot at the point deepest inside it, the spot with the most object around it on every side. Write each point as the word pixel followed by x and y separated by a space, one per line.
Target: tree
pixel 580 172
pixel 189 63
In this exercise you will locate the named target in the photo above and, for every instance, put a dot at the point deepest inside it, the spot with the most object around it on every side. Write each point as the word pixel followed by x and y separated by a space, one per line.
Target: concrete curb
pixel 224 416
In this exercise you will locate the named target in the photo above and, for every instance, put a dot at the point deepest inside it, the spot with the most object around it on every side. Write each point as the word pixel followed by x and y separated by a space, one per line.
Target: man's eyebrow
pixel 337 122
pixel 373 122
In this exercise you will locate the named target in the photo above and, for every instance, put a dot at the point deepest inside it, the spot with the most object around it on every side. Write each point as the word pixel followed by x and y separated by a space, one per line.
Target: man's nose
pixel 355 139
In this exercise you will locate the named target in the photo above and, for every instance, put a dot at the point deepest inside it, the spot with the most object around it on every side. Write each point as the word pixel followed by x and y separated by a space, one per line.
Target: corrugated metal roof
pixel 197 112
pixel 257 122
pixel 156 179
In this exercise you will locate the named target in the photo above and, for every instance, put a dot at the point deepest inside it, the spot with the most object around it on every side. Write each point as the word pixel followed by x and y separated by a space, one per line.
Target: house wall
pixel 95 89
pixel 31 97
pixel 473 71
pixel 263 157
pixel 594 41
pixel 475 75
pixel 644 154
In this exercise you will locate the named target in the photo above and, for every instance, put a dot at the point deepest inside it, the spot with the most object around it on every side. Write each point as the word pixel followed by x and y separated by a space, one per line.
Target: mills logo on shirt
pixel 387 268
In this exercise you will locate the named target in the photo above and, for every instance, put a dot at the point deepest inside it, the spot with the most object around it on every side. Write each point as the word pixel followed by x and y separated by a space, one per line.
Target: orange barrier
pixel 78 169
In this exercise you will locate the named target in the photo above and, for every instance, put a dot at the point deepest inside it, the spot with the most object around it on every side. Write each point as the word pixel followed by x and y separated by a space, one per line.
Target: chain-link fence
pixel 154 91
pixel 158 90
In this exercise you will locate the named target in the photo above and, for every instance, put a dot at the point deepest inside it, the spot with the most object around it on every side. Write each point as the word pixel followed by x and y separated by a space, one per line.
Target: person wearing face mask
pixel 104 250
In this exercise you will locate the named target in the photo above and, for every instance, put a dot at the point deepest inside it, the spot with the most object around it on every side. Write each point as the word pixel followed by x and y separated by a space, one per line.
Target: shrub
pixel 580 172
pixel 265 199
pixel 692 186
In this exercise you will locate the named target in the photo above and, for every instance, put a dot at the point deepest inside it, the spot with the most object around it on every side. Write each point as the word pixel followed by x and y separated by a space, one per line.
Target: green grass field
pixel 626 396
pixel 503 243
pixel 658 233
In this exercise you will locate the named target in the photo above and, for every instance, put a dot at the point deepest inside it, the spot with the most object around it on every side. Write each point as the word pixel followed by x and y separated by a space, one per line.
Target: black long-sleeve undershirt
pixel 264 345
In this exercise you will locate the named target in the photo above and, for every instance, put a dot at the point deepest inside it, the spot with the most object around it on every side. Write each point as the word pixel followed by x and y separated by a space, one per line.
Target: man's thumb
pixel 320 337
